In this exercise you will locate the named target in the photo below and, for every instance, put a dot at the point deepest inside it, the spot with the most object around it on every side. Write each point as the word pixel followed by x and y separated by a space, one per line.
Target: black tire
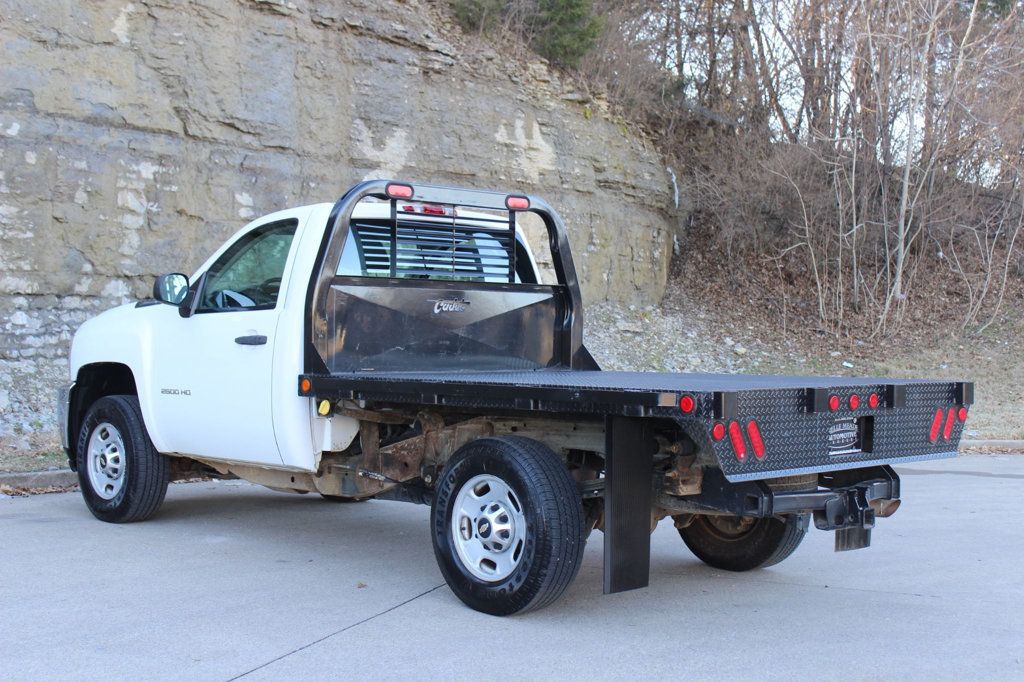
pixel 725 543
pixel 338 499
pixel 146 472
pixel 551 545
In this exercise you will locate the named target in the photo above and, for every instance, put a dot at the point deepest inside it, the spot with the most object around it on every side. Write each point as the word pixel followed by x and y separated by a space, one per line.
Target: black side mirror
pixel 190 300
pixel 170 289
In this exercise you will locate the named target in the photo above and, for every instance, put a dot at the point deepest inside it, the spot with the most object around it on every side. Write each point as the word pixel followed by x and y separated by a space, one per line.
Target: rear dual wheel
pixel 507 525
pixel 735 543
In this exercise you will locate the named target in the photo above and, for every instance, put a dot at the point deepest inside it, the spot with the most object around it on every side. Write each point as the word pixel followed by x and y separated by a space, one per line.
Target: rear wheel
pixel 735 543
pixel 507 525
pixel 122 476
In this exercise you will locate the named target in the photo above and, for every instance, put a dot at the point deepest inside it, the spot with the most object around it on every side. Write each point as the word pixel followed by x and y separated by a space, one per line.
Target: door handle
pixel 256 340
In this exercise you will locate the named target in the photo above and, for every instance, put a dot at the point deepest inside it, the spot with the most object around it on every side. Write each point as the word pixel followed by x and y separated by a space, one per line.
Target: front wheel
pixel 122 476
pixel 507 525
pixel 735 543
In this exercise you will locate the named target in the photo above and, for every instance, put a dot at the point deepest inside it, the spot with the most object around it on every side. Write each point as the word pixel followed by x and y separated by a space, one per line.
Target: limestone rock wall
pixel 136 136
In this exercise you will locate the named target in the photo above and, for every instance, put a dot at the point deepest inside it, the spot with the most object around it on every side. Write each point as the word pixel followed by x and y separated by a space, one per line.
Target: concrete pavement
pixel 231 579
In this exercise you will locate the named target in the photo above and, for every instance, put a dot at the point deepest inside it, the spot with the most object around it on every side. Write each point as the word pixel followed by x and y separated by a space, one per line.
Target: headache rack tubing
pixel 336 234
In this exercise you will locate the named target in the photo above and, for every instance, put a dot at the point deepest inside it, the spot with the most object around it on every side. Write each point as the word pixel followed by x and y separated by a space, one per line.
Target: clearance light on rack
pixel 873 400
pixel 517 202
pixel 687 404
pixel 397 190
pixel 833 403
pixel 718 431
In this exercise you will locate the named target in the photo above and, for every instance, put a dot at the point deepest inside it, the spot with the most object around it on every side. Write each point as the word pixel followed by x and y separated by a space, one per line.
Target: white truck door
pixel 214 370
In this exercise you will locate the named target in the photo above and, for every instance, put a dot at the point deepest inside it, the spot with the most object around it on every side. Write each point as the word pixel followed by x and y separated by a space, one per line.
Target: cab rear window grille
pixel 479 248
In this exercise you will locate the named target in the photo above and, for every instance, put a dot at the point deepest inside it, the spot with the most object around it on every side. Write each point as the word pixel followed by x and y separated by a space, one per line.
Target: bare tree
pixel 874 140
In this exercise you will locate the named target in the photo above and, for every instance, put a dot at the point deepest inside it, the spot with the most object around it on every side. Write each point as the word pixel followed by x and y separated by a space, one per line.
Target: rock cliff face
pixel 136 136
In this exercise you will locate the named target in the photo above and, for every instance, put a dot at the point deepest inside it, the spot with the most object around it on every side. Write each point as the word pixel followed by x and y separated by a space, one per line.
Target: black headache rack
pixel 517 348
pixel 439 282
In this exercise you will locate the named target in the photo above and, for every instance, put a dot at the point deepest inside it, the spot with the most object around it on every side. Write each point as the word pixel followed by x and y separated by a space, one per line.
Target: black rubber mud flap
pixel 627 504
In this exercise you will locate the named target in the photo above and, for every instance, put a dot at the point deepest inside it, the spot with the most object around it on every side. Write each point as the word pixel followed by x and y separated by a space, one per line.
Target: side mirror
pixel 170 289
pixel 190 300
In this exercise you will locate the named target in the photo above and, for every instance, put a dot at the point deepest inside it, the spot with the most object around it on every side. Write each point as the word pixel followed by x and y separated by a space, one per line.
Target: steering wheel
pixel 269 288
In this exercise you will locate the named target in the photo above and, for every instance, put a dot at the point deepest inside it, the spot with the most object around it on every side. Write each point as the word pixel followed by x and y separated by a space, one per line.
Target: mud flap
pixel 627 504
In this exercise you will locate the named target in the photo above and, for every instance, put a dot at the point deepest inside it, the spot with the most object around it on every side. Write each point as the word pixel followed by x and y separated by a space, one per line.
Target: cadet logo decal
pixel 448 305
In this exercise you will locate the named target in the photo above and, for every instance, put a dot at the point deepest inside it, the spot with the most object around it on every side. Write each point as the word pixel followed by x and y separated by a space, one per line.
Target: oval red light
pixel 756 442
pixel 933 434
pixel 397 191
pixel 687 404
pixel 947 430
pixel 517 203
pixel 833 403
pixel 854 401
pixel 873 400
pixel 718 431
pixel 962 414
pixel 736 437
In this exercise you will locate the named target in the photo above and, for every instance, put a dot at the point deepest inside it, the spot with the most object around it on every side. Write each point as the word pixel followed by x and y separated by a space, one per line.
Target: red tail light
pixel 933 434
pixel 756 442
pixel 947 430
pixel 873 400
pixel 736 437
pixel 833 403
pixel 962 414
pixel 854 401
pixel 687 404
pixel 397 191
pixel 718 431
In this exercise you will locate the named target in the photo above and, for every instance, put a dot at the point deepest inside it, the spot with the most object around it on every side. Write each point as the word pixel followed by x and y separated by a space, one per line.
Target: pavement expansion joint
pixel 336 632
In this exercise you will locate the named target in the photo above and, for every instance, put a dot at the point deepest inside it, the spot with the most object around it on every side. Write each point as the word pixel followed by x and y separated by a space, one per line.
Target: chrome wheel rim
pixel 106 460
pixel 488 528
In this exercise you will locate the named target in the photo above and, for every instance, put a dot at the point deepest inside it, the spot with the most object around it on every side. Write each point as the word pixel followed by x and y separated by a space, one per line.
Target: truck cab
pixel 216 378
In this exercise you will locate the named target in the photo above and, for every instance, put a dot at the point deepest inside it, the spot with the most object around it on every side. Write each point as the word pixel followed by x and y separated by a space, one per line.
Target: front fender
pixel 124 336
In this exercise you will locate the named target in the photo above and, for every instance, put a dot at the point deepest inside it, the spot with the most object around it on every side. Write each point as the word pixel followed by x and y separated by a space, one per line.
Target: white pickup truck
pixel 403 344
